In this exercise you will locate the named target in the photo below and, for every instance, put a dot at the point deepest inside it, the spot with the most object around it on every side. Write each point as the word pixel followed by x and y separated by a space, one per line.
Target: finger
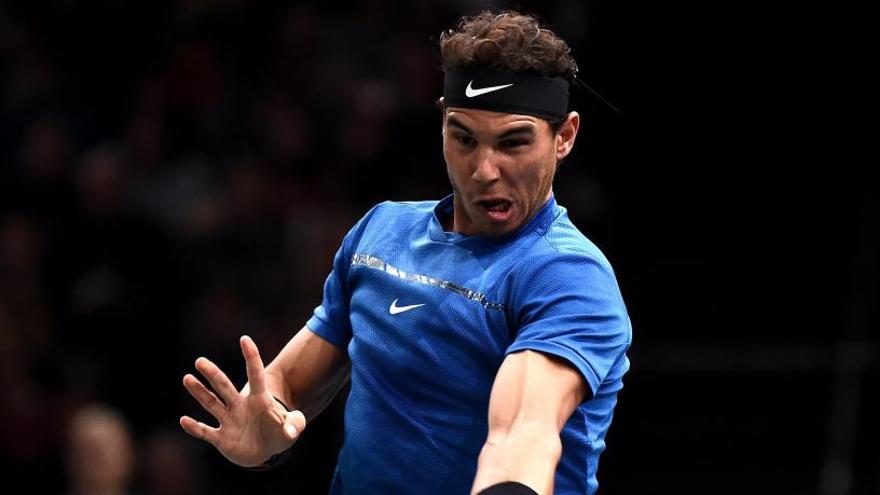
pixel 255 371
pixel 294 424
pixel 218 380
pixel 205 397
pixel 199 430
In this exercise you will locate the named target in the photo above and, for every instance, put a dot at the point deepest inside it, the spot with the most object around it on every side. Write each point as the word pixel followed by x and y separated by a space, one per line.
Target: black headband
pixel 508 92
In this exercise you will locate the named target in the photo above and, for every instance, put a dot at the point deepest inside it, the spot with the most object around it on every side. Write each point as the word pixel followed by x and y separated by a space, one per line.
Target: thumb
pixel 294 424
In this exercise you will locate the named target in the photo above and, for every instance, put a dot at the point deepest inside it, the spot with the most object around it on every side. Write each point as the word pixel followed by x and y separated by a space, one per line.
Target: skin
pixel 500 156
pixel 100 452
pixel 489 156
pixel 533 396
pixel 253 426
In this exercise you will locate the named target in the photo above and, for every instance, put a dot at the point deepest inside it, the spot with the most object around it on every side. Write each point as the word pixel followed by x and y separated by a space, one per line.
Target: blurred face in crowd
pixel 501 166
pixel 100 451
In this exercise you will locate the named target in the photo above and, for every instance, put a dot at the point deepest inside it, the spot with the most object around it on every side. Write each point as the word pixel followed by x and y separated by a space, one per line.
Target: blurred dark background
pixel 175 174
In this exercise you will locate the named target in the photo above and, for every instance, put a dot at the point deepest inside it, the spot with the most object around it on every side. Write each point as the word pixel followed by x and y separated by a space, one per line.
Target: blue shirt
pixel 427 317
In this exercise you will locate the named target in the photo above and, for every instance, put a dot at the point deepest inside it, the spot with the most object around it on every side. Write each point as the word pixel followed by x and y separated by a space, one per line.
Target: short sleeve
pixel 331 319
pixel 570 306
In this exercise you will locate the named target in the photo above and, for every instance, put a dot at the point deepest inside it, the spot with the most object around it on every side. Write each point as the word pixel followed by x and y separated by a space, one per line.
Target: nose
pixel 486 170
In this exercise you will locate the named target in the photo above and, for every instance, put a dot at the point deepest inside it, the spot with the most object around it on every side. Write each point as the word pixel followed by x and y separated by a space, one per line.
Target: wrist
pixel 508 488
pixel 286 409
pixel 272 462
pixel 277 459
pixel 277 386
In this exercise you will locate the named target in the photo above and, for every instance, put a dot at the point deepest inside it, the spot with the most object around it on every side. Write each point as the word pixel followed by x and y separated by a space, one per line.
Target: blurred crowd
pixel 175 174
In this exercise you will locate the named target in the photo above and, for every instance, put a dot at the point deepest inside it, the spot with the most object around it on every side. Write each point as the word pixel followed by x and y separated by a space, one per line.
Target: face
pixel 100 452
pixel 501 167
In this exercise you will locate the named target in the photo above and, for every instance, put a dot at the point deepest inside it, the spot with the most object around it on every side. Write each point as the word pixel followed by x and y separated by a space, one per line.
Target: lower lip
pixel 499 216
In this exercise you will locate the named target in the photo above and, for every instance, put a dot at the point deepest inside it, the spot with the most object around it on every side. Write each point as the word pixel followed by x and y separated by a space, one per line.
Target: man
pixel 484 336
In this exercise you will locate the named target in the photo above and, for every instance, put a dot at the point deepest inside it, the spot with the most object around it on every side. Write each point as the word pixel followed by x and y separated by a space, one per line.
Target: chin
pixel 493 232
pixel 499 229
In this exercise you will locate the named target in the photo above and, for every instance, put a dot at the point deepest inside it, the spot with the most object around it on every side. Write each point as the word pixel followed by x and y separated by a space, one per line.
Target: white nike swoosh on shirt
pixel 471 92
pixel 395 309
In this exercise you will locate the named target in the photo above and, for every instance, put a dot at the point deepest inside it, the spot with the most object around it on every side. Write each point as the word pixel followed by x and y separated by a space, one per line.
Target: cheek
pixel 454 163
pixel 548 165
pixel 534 174
pixel 533 184
pixel 460 171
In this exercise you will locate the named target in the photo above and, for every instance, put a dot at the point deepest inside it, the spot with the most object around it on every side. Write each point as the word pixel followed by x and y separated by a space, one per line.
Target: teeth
pixel 497 206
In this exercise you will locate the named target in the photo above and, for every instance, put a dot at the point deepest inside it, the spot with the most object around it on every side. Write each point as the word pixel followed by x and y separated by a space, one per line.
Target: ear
pixel 566 135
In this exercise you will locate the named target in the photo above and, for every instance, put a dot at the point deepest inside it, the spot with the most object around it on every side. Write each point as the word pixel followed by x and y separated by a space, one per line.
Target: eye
pixel 514 143
pixel 464 140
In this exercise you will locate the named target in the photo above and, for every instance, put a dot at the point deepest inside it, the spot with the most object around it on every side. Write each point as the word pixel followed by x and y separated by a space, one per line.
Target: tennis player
pixel 484 336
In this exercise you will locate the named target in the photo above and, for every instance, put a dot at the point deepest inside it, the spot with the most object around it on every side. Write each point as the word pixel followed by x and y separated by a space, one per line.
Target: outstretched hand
pixel 253 425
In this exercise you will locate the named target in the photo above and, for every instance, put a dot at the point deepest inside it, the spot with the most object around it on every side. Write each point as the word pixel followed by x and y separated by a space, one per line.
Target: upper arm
pixel 308 372
pixel 570 306
pixel 331 318
pixel 536 389
pixel 314 365
pixel 532 397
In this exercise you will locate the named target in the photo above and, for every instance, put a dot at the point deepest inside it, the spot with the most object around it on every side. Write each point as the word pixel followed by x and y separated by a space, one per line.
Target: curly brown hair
pixel 507 40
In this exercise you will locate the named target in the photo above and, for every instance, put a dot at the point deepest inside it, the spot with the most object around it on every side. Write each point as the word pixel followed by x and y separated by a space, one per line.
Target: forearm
pixel 527 453
pixel 312 398
pixel 307 374
pixel 278 387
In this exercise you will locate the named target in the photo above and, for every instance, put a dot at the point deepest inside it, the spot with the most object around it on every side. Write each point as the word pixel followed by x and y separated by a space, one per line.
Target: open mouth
pixel 498 210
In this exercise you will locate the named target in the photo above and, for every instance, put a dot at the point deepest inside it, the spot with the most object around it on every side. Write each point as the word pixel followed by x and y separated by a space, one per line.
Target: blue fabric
pixel 416 417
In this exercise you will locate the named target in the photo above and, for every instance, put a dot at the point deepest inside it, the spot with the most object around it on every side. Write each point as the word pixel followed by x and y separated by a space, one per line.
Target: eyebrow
pixel 523 129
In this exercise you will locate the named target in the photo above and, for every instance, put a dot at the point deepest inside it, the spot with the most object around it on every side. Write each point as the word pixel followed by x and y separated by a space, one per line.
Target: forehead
pixel 480 121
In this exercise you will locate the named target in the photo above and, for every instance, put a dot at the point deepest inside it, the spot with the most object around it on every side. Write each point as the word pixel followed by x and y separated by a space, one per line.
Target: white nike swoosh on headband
pixel 471 92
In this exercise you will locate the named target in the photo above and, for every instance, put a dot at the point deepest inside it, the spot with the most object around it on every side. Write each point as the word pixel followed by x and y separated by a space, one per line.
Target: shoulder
pixel 400 210
pixel 391 209
pixel 405 208
pixel 563 243
pixel 563 263
pixel 391 216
